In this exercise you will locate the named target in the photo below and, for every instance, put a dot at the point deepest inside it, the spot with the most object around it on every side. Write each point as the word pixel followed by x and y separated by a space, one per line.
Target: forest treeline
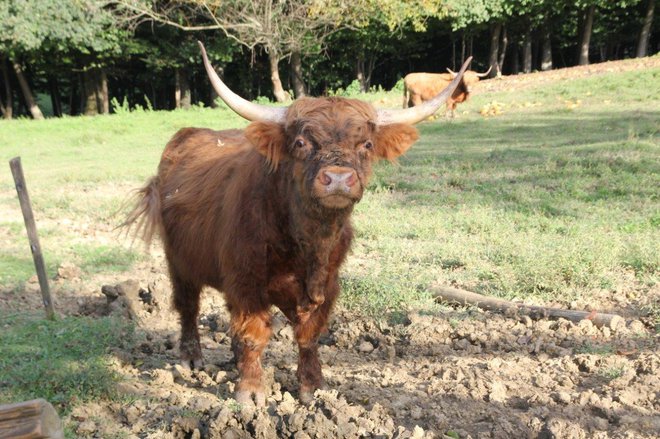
pixel 71 57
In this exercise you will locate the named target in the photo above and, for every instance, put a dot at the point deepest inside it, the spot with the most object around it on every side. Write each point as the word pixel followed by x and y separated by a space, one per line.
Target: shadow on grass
pixel 546 159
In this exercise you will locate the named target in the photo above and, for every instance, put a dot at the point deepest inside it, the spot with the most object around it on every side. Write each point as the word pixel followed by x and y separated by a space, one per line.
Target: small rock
pixel 563 397
pixel 636 327
pixel 416 412
pixel 365 347
pixel 86 428
pixel 201 404
pixel 418 432
pixel 600 423
pixel 498 392
pixel 68 271
pixel 628 396
pixel 131 414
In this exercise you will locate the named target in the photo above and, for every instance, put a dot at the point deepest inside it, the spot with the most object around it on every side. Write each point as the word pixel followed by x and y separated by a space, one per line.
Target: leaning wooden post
pixel 34 419
pixel 33 237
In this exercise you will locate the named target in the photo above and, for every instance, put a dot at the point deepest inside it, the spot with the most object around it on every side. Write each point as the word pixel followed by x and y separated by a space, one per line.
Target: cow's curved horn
pixel 481 75
pixel 244 108
pixel 453 73
pixel 418 113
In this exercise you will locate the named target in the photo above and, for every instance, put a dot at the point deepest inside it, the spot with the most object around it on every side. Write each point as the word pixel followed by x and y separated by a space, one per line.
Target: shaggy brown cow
pixel 421 87
pixel 263 214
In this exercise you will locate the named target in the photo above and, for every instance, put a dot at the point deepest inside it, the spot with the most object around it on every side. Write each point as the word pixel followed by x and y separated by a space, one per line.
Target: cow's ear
pixel 394 140
pixel 268 138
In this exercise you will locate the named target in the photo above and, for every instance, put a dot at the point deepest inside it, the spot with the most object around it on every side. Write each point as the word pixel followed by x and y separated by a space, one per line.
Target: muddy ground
pixel 459 372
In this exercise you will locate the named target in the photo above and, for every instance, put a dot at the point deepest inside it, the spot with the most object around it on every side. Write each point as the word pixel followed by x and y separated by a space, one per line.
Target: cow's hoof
pixel 192 363
pixel 244 397
pixel 306 397
pixel 260 399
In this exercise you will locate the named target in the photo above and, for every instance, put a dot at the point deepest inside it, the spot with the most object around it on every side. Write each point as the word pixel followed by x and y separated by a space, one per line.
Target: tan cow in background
pixel 421 87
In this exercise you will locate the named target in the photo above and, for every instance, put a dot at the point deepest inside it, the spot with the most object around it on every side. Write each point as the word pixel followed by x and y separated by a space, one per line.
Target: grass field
pixel 554 199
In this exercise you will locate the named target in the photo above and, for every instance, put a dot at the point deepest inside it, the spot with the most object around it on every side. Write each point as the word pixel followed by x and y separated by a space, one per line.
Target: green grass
pixel 541 201
pixel 64 361
pixel 551 200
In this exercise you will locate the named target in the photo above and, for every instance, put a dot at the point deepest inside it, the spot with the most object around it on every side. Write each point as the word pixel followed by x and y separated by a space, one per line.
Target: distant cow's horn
pixel 453 73
pixel 420 112
pixel 481 75
pixel 244 108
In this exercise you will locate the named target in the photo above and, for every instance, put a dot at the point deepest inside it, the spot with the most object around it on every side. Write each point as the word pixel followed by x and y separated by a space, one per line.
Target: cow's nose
pixel 338 179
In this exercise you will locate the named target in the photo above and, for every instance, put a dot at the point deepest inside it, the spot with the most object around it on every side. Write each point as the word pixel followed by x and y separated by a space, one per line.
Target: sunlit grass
pixel 554 198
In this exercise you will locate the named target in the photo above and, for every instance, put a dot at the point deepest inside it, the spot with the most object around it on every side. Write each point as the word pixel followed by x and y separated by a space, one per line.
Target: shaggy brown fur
pixel 263 215
pixel 421 87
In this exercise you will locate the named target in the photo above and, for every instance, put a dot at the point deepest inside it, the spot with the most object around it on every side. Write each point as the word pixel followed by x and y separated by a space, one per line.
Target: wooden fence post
pixel 28 216
pixel 35 419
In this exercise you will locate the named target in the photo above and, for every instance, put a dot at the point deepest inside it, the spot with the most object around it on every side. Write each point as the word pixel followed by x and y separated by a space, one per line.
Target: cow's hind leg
pixel 250 334
pixel 186 302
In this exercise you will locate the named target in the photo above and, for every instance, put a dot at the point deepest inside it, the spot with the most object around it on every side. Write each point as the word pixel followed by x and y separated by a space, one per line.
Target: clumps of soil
pixel 462 373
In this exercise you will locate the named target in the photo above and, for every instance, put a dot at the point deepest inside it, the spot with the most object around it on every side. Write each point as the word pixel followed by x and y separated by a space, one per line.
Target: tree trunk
pixel 30 102
pixel 359 74
pixel 515 61
pixel 495 30
pixel 462 48
pixel 297 75
pixel 89 93
pixel 274 60
pixel 453 52
pixel 546 51
pixel 103 97
pixel 55 96
pixel 645 32
pixel 505 43
pixel 527 51
pixel 585 36
pixel 181 89
pixel 6 106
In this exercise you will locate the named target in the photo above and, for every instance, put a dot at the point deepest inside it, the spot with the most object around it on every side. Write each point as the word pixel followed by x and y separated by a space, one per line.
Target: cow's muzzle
pixel 337 186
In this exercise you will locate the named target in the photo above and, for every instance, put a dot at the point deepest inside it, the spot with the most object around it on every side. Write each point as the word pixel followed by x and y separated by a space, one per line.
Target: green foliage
pixel 398 87
pixel 64 361
pixel 57 25
pixel 120 109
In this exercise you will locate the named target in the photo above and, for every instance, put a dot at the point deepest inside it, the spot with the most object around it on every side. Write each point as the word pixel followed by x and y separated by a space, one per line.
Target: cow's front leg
pixel 250 335
pixel 307 329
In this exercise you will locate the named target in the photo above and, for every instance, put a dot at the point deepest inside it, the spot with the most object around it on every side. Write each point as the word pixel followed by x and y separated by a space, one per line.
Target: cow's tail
pixel 145 219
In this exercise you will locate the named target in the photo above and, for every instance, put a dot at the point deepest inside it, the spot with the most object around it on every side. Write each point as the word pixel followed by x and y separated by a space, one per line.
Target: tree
pixel 281 28
pixel 645 31
pixel 6 101
pixel 587 20
pixel 37 29
pixel 494 14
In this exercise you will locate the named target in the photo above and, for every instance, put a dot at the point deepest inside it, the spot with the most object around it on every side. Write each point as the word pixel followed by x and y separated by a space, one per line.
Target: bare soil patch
pixel 462 371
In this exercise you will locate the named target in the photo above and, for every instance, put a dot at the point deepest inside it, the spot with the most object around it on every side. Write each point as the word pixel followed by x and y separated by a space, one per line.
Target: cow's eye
pixel 299 143
pixel 368 144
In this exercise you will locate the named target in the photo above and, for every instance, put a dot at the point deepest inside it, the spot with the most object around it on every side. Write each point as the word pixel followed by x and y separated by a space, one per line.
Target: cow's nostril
pixel 325 179
pixel 350 181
